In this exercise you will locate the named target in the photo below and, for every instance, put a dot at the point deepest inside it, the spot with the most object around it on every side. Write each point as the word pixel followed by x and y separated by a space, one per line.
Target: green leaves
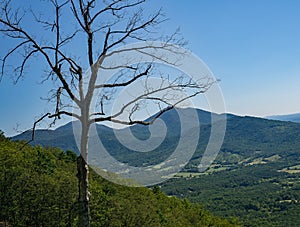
pixel 35 187
pixel 38 187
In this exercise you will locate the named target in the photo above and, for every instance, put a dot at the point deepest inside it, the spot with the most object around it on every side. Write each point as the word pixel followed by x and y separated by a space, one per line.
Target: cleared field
pixel 213 168
pixel 291 169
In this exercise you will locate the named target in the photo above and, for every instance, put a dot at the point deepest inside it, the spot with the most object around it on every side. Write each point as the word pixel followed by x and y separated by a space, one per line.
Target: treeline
pixel 259 195
pixel 38 187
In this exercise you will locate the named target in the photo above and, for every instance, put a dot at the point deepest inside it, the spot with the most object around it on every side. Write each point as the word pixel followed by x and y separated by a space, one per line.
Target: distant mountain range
pixel 289 117
pixel 246 137
pixel 255 176
pixel 63 136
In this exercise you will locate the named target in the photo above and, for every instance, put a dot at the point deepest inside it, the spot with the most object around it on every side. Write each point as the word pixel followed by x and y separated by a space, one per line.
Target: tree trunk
pixel 83 181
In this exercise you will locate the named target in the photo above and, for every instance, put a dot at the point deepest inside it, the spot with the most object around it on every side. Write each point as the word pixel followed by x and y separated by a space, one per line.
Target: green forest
pixel 258 195
pixel 255 177
pixel 38 187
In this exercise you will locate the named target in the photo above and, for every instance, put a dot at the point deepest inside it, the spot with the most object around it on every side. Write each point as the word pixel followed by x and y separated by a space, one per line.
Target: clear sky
pixel 253 46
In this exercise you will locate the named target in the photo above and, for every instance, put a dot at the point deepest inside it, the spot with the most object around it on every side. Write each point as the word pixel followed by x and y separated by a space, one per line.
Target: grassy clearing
pixel 291 169
pixel 212 169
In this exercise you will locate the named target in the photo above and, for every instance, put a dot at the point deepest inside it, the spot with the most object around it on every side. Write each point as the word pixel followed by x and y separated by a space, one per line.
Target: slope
pixel 38 187
pixel 289 117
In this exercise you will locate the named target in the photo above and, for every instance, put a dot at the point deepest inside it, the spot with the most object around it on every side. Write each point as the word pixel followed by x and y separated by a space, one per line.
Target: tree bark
pixel 84 218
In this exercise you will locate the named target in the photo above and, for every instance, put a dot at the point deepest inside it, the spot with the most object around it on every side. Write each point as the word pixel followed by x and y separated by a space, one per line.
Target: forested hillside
pixel 246 137
pixel 256 175
pixel 289 117
pixel 38 187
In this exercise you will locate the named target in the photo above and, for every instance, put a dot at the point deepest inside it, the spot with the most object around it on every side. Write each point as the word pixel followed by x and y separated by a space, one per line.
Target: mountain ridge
pixel 255 175
pixel 286 117
pixel 243 136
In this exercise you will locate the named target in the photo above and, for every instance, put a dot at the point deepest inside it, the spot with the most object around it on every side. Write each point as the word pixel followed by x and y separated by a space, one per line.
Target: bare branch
pixel 201 88
pixel 40 49
pixel 64 113
pixel 58 101
pixel 33 129
pixel 127 82
pixel 114 9
pixel 74 10
pixel 131 30
pixel 67 39
pixel 21 68
pixel 9 53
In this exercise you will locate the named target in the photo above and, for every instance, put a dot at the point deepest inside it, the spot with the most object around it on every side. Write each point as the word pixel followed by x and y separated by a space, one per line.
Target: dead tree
pixel 103 27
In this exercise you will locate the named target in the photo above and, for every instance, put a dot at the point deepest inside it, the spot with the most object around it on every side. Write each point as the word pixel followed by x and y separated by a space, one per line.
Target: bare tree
pixel 103 27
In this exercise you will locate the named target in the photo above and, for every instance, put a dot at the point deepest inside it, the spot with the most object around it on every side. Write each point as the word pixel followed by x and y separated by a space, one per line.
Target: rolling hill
pixel 38 187
pixel 289 117
pixel 246 137
pixel 256 175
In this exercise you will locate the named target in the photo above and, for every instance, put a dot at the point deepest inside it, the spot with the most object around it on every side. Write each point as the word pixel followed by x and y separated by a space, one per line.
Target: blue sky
pixel 253 46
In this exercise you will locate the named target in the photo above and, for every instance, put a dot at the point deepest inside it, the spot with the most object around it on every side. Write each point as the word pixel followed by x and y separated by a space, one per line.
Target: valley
pixel 254 179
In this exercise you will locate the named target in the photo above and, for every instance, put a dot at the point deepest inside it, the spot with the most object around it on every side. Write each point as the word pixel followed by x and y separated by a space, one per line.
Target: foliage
pixel 37 184
pixel 38 187
pixel 246 180
pixel 258 194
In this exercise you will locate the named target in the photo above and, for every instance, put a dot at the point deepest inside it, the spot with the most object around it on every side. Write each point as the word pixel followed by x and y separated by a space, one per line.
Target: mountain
pixel 256 175
pixel 246 137
pixel 290 117
pixel 63 136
